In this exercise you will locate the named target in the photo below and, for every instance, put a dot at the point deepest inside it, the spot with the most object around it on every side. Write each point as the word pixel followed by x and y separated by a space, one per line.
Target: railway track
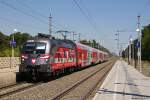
pixel 15 88
pixel 100 80
pixel 67 91
pixel 8 86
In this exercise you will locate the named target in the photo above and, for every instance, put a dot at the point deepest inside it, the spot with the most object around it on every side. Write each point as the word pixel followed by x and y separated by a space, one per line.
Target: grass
pixel 7 52
pixel 145 67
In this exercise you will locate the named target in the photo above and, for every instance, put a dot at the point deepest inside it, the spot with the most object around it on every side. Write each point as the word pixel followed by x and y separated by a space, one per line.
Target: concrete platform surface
pixel 8 76
pixel 124 82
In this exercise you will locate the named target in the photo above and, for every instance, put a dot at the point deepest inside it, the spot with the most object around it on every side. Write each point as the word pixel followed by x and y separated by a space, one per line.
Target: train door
pixel 89 57
pixel 82 59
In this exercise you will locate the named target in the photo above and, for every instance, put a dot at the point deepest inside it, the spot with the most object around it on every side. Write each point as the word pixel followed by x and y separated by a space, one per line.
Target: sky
pixel 94 19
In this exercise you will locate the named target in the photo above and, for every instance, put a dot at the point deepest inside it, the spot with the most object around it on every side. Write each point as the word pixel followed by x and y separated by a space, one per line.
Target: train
pixel 44 56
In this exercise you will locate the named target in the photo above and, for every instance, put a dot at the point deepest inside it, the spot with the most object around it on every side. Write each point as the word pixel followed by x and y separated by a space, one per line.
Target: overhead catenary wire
pixel 30 13
pixel 19 26
pixel 26 6
pixel 89 14
pixel 19 23
pixel 85 15
pixel 38 13
pixel 21 11
pixel 33 13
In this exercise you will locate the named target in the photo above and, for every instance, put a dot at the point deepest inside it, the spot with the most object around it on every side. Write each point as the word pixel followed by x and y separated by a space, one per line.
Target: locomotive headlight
pixel 22 59
pixel 23 56
pixel 33 60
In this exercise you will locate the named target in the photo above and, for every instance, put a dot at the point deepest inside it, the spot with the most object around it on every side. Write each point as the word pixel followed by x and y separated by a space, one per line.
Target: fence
pixel 8 62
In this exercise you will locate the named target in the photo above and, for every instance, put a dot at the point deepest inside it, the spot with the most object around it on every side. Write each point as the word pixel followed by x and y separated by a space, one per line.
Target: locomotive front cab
pixel 35 58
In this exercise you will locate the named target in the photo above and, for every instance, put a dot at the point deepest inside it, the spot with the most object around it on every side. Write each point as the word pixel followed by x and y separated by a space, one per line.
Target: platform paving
pixel 124 82
pixel 8 76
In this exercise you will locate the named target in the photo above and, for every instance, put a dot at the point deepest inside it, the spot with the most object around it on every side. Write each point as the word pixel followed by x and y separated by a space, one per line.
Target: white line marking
pixel 111 74
pixel 116 81
pixel 106 81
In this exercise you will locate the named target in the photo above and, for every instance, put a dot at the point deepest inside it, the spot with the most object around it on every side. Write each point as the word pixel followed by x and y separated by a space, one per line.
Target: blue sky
pixel 107 15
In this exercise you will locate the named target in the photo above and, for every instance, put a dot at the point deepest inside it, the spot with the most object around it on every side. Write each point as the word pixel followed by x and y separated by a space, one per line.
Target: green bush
pixel 6 49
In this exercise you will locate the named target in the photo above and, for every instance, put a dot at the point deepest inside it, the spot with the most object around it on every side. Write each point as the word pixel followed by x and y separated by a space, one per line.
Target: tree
pixel 25 37
pixel 146 43
pixel 5 48
pixel 94 44
pixel 4 41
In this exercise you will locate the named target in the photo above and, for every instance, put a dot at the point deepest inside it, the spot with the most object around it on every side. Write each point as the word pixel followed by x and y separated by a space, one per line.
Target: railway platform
pixel 8 76
pixel 124 82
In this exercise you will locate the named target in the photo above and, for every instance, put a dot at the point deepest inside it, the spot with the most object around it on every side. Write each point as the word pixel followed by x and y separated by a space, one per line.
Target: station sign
pixel 138 44
pixel 12 42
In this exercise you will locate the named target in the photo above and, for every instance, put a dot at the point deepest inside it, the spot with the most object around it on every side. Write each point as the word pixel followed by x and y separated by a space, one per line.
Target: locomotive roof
pixel 82 46
pixel 65 43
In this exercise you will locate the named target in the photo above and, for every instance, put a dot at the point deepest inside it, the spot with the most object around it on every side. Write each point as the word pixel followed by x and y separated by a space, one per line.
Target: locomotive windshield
pixel 34 48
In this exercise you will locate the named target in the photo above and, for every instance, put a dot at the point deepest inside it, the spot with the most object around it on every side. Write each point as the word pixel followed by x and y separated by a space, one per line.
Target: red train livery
pixel 45 56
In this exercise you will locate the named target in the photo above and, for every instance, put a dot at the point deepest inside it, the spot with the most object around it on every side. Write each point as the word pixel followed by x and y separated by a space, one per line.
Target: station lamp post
pixel 139 48
pixel 130 49
pixel 13 43
pixel 117 39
